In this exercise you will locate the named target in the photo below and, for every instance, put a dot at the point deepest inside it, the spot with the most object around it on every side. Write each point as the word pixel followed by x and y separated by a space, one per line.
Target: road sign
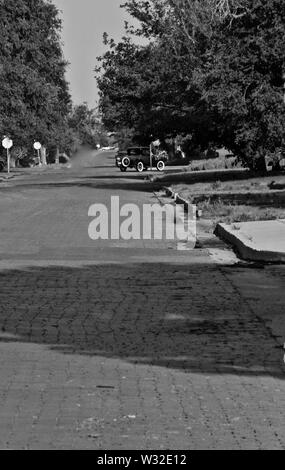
pixel 7 143
pixel 37 145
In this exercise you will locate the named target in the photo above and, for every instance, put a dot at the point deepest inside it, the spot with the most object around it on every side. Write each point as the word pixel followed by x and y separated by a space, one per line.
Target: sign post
pixel 7 144
pixel 37 147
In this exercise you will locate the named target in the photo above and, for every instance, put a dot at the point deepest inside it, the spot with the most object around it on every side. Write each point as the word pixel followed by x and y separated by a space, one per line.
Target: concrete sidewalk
pixel 256 241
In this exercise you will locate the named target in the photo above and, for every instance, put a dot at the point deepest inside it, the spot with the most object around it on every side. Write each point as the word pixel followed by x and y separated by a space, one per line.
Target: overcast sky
pixel 84 22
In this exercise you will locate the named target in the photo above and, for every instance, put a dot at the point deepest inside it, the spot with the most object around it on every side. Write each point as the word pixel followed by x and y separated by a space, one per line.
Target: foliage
pixel 219 163
pixel 210 69
pixel 34 99
pixel 146 89
pixel 243 79
pixel 87 126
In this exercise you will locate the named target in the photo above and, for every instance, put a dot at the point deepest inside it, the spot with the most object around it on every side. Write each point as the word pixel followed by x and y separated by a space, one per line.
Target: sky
pixel 84 22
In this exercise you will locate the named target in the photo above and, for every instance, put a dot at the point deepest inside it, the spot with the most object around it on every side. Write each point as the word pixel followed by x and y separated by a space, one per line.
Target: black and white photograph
pixel 142 228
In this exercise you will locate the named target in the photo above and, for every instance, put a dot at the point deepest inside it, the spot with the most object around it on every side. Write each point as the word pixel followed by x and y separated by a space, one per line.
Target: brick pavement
pixel 137 356
pixel 127 349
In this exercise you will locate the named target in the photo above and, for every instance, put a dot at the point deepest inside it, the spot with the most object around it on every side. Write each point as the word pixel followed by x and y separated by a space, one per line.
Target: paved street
pixel 130 345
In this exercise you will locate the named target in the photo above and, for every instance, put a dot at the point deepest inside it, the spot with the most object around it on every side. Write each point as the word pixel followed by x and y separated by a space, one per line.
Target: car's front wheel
pixel 126 162
pixel 139 167
pixel 123 168
pixel 160 165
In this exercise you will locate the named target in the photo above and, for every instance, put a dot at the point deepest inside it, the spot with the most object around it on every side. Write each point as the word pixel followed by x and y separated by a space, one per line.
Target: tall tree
pixel 87 125
pixel 243 79
pixel 152 88
pixel 34 98
pixel 212 69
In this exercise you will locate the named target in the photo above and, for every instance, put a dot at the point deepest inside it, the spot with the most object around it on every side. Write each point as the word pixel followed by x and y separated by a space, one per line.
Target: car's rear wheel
pixel 1 166
pixel 160 165
pixel 126 162
pixel 139 167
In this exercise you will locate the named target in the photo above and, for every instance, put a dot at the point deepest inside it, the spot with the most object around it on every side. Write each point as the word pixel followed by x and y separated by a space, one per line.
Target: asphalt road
pixel 118 344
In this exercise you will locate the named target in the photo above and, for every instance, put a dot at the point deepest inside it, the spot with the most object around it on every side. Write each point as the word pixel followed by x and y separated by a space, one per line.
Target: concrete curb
pixel 180 200
pixel 6 178
pixel 245 248
pixel 220 255
pixel 177 198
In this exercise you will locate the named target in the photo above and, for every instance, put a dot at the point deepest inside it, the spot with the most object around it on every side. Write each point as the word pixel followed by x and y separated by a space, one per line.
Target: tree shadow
pixel 116 184
pixel 120 176
pixel 144 186
pixel 176 316
pixel 257 199
pixel 208 176
pixel 99 167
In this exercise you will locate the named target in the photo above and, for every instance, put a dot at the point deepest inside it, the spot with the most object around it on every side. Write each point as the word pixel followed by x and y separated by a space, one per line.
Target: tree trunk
pixel 57 156
pixel 260 163
pixel 43 152
pixel 12 161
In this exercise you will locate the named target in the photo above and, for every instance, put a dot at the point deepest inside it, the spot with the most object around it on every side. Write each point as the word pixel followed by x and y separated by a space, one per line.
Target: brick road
pixel 108 347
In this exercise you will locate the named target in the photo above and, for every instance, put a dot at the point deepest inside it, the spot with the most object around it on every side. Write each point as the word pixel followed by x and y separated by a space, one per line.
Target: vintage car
pixel 141 159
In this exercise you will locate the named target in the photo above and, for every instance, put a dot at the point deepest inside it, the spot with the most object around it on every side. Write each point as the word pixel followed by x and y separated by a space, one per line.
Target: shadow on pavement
pixel 100 167
pixel 116 184
pixel 121 176
pixel 182 317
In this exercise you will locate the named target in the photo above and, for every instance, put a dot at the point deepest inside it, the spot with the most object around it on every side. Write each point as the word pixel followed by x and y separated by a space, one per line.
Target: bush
pixel 220 163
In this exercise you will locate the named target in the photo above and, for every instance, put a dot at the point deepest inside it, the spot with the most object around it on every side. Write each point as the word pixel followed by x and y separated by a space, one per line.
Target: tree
pixel 34 99
pixel 212 69
pixel 152 88
pixel 243 79
pixel 87 125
